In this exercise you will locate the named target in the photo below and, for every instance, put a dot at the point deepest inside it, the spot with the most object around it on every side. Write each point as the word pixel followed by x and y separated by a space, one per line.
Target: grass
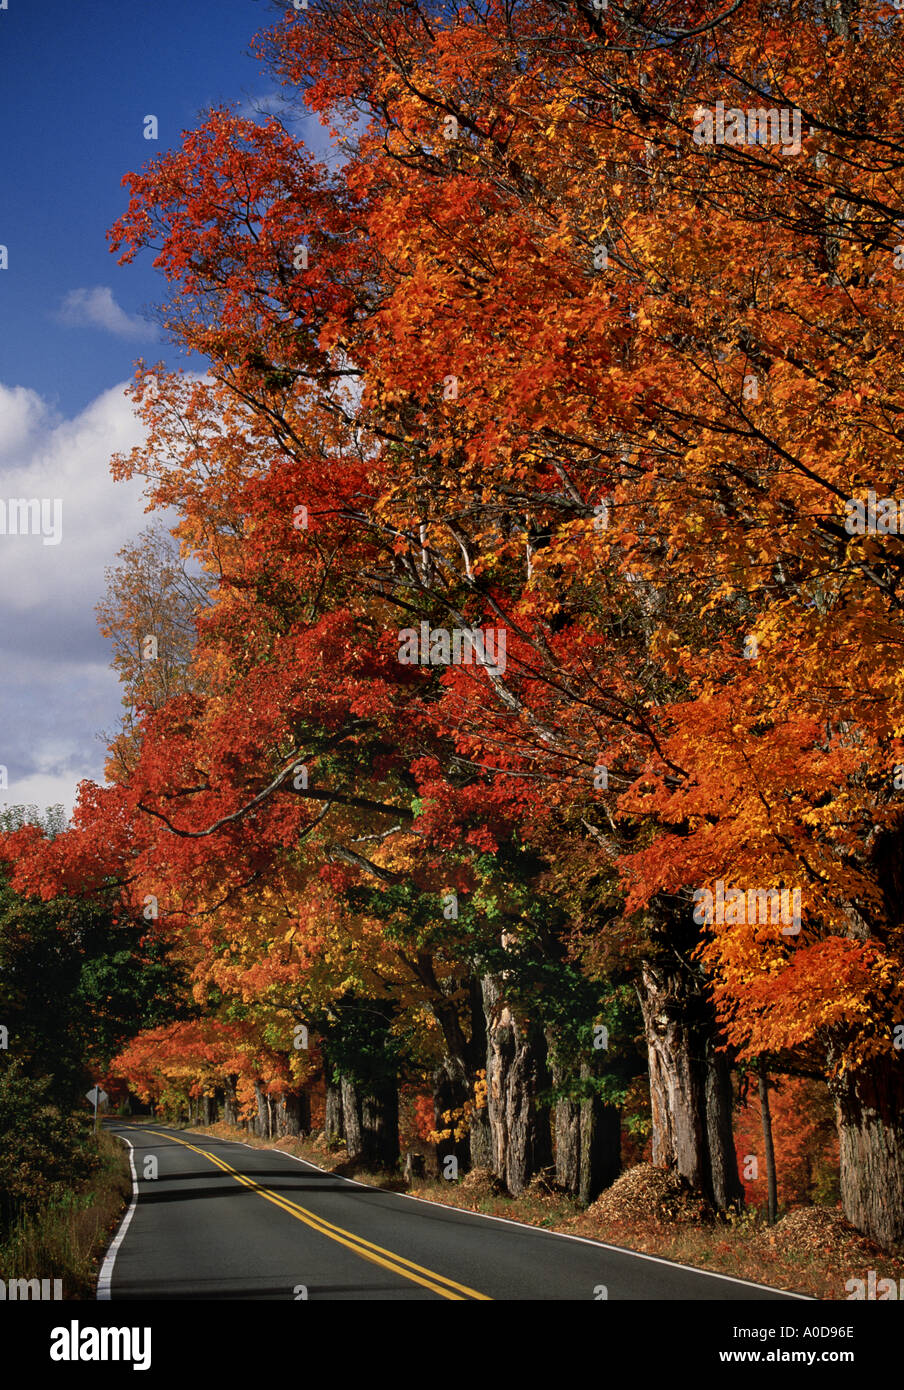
pixel 67 1237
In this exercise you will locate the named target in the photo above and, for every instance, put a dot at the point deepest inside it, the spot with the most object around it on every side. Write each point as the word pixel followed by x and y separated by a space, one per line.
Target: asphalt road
pixel 222 1220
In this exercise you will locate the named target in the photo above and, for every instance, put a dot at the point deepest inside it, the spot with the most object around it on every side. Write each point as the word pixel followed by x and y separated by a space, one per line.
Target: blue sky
pixel 76 82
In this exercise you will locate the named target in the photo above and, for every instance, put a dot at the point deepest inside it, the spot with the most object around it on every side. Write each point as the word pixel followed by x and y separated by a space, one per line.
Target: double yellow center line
pixel 396 1264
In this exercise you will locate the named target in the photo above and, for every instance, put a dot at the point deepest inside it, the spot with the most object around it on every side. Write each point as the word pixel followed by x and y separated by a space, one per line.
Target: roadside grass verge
pixel 67 1237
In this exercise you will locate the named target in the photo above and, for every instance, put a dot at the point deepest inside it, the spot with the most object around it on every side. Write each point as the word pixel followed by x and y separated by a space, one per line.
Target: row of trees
pixel 546 360
pixel 76 981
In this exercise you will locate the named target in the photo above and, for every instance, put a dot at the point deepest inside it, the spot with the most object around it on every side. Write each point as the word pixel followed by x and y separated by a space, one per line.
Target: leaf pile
pixel 646 1194
pixel 818 1231
pixel 481 1182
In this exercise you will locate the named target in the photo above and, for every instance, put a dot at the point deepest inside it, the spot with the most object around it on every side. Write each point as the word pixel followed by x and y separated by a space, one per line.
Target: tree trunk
pixel 480 1139
pixel 455 1080
pixel 516 1072
pixel 380 1126
pixel 219 1096
pixel 600 1143
pixel 869 1106
pixel 568 1144
pixel 567 1124
pixel 262 1123
pixel 294 1114
pixel 588 1137
pixel 333 1119
pixel 726 1188
pixel 230 1105
pixel 768 1146
pixel 690 1084
pixel 351 1120
pixel 451 1092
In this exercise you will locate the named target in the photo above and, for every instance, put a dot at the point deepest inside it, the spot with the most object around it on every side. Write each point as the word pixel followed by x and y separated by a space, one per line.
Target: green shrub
pixel 42 1150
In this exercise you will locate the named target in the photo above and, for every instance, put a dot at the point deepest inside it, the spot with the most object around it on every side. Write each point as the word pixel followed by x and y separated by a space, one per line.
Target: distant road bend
pixel 223 1220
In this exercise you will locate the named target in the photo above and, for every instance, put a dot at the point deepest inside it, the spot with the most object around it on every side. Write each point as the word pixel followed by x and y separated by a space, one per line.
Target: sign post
pixel 96 1095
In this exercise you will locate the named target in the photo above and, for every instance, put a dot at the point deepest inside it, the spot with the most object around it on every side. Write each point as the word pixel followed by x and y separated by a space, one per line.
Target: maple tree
pixel 544 358
pixel 75 982
pixel 149 617
pixel 805 1141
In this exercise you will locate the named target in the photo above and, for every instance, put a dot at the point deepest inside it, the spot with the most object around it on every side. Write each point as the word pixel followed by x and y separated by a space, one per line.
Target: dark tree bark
pixel 230 1105
pixel 568 1144
pixel 690 1083
pixel 869 1108
pixel 451 1092
pixel 587 1134
pixel 567 1124
pixel 869 1100
pixel 360 1055
pixel 516 1074
pixel 334 1120
pixel 262 1122
pixel 480 1137
pixel 769 1147
pixel 371 1123
pixel 455 1080
pixel 293 1114
pixel 600 1144
pixel 380 1126
pixel 351 1120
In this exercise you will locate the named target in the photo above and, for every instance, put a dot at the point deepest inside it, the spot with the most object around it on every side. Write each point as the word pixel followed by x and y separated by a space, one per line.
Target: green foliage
pixel 360 1045
pixel 42 1149
pixel 52 820
pixel 64 1237
pixel 74 984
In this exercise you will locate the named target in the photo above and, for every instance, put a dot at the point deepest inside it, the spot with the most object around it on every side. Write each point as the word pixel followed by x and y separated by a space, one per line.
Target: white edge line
pixel 539 1230
pixel 106 1272
pixel 561 1235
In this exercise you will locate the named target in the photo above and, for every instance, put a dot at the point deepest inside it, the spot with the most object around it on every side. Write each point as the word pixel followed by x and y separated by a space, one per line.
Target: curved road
pixel 223 1220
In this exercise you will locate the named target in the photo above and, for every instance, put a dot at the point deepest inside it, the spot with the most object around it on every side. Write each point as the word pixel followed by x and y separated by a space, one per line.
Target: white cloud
pixel 70 461
pixel 21 412
pixel 96 308
pixel 263 104
pixel 41 791
pixel 57 690
pixel 304 125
